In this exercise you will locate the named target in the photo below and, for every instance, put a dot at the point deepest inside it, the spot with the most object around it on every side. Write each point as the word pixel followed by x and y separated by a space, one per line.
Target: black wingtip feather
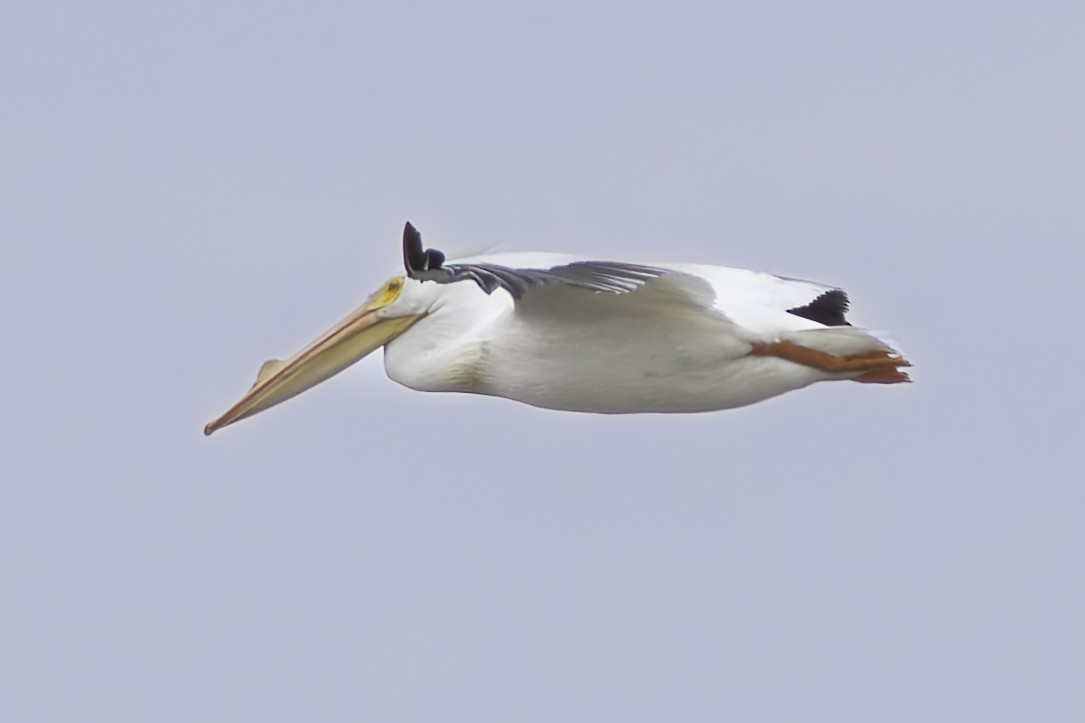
pixel 828 309
pixel 412 248
pixel 416 257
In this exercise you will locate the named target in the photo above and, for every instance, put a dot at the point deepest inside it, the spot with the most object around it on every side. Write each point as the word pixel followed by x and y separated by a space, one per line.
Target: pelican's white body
pixel 678 344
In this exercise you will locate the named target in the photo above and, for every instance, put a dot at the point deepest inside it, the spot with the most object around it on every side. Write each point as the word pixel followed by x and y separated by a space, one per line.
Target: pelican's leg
pixel 877 367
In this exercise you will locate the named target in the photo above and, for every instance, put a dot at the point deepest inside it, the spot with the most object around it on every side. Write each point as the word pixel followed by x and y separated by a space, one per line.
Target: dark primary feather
pixel 416 258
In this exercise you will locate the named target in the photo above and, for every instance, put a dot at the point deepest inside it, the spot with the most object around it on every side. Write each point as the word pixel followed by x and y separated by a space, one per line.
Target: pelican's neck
pixel 443 351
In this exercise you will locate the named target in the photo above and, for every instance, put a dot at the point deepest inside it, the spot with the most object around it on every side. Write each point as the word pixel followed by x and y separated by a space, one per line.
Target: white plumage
pixel 577 334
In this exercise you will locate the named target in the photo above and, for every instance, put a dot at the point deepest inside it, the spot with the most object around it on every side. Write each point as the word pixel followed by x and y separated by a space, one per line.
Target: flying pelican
pixel 569 333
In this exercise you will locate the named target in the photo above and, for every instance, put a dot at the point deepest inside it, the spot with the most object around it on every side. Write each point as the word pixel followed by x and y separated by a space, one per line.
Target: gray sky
pixel 188 191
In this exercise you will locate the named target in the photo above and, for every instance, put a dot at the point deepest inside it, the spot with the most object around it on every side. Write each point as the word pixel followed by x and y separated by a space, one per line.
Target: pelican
pixel 569 333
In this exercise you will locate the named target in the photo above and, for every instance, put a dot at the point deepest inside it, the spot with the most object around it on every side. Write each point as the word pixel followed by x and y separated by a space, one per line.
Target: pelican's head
pixel 387 313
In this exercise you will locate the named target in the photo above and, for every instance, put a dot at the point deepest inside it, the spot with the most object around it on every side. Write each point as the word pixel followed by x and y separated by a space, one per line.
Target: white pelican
pixel 575 334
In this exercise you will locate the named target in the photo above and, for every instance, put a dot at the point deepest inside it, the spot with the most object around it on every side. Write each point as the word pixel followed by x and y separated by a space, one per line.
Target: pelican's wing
pixel 758 301
pixel 754 300
pixel 602 276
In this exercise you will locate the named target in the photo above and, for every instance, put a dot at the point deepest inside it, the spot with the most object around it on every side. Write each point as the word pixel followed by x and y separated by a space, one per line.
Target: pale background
pixel 189 190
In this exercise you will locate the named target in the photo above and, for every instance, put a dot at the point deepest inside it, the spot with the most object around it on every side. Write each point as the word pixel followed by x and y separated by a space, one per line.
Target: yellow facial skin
pixel 357 335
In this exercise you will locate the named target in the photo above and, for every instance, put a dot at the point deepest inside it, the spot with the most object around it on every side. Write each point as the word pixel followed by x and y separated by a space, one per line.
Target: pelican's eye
pixel 390 292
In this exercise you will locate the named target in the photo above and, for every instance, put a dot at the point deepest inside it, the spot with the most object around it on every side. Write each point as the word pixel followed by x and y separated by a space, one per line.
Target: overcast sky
pixel 187 191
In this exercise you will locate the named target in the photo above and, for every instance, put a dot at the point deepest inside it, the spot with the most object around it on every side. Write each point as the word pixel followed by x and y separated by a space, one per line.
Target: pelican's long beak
pixel 344 344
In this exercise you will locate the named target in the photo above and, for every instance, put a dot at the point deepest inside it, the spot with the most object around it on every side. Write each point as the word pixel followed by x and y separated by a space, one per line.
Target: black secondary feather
pixel 828 309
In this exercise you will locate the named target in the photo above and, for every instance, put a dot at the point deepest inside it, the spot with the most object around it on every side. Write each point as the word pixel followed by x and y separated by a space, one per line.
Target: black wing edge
pixel 416 258
pixel 828 309
pixel 425 264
